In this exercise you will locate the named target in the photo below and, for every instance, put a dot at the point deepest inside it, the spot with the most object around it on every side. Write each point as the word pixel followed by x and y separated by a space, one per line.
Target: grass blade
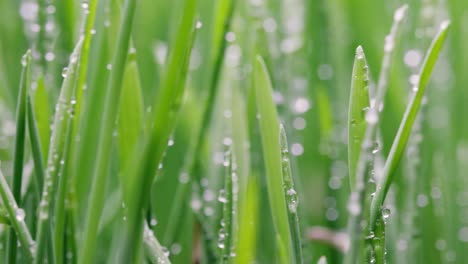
pixel 19 147
pixel 269 128
pixel 16 217
pixel 358 104
pixel 108 118
pixel 153 250
pixel 57 153
pixel 290 197
pixel 42 115
pixel 406 124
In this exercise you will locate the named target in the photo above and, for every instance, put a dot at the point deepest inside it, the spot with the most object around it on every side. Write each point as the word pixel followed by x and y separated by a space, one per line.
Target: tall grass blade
pixel 57 154
pixel 358 105
pixel 108 118
pixel 269 128
pixel 36 147
pixel 42 115
pixel 19 146
pixel 406 124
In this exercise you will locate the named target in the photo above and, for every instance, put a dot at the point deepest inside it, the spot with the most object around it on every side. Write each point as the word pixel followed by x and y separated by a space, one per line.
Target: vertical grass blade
pixel 269 128
pixel 225 238
pixel 406 124
pixel 108 118
pixel 290 197
pixel 16 217
pixel 19 146
pixel 358 105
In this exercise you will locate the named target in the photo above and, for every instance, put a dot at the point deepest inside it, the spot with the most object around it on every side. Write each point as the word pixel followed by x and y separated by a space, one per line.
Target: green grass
pixel 273 131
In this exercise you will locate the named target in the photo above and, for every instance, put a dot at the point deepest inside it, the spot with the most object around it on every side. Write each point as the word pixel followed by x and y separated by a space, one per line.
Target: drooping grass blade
pixel 269 128
pixel 19 147
pixel 290 197
pixel 406 124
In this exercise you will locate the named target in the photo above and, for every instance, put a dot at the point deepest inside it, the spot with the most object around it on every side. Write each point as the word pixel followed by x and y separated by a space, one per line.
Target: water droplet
pixel 230 36
pixel 297 149
pixel 292 206
pixel 389 43
pixel 375 147
pixel 64 72
pixel 109 66
pixel 372 116
pixel 386 213
pixel 176 248
pixel 165 251
pixel 20 214
pixel 153 222
pixel 222 196
pixel 199 24
pixel 400 13
pixel 291 192
pixel 301 105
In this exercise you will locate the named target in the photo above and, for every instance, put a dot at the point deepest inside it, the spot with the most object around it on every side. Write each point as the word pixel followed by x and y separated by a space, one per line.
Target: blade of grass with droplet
pixel 357 125
pixel 269 128
pixel 18 223
pixel 290 196
pixel 141 172
pixel 406 124
pixel 108 118
pixel 19 147
pixel 42 115
pixel 152 247
pixel 55 159
pixel 358 104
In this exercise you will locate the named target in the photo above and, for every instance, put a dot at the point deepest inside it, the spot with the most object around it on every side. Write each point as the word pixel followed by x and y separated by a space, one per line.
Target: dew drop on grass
pixel 20 214
pixel 222 196
pixel 109 66
pixel 183 177
pixel 165 251
pixel 375 147
pixel 64 72
pixel 372 116
pixel 176 248
pixel 389 43
pixel 301 105
pixel 297 149
pixel 299 123
pixel 386 213
pixel 153 222
pixel 199 24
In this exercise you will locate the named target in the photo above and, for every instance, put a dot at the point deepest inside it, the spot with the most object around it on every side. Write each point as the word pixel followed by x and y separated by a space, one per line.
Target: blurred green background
pixel 309 47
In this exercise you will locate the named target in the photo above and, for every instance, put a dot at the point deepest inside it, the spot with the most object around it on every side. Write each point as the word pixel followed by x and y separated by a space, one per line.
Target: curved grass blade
pixel 56 156
pixel 19 147
pixel 16 217
pixel 225 239
pixel 141 172
pixel 404 131
pixel 108 118
pixel 358 104
pixel 269 128
pixel 290 196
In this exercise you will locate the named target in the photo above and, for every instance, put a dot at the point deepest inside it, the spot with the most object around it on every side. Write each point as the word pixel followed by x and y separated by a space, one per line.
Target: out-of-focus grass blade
pixel 269 128
pixel 36 149
pixel 290 196
pixel 141 172
pixel 56 156
pixel 16 217
pixel 131 111
pixel 4 217
pixel 406 124
pixel 248 224
pixel 19 146
pixel 108 118
pixel 358 105
pixel 42 114
pixel 225 238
